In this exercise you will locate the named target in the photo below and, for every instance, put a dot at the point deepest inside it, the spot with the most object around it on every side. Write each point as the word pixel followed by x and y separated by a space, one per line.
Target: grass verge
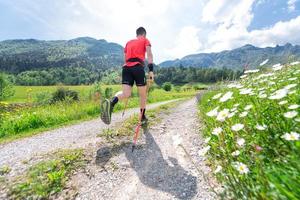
pixel 47 178
pixel 30 121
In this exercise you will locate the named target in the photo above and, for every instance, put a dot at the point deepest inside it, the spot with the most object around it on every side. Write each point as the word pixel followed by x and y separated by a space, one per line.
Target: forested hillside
pixel 247 56
pixel 77 61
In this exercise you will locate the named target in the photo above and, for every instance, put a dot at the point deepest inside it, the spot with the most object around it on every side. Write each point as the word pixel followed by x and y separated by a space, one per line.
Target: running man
pixel 133 71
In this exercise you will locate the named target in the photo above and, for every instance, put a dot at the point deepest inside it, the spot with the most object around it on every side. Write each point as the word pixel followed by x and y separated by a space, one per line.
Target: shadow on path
pixel 152 169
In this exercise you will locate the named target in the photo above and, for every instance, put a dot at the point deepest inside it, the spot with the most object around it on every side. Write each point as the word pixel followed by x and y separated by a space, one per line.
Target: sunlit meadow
pixel 18 120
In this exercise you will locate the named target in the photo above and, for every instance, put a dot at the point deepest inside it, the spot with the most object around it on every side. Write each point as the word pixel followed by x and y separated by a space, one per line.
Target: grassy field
pixel 252 134
pixel 25 121
pixel 25 94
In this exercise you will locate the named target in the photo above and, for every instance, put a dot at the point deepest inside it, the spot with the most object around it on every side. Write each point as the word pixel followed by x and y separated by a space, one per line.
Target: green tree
pixel 167 86
pixel 6 87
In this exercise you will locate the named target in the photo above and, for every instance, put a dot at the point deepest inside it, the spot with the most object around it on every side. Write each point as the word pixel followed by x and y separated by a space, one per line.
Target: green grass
pixel 47 178
pixel 252 145
pixel 21 122
pixel 4 170
pixel 25 94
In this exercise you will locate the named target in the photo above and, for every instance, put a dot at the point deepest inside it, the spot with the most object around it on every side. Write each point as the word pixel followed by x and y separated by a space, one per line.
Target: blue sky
pixel 269 12
pixel 175 27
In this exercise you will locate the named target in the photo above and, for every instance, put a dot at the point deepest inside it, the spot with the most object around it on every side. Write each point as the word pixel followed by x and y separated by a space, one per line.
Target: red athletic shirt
pixel 136 48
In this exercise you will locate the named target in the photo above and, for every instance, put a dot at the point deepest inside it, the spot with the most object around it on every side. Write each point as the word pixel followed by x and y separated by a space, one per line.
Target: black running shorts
pixel 134 74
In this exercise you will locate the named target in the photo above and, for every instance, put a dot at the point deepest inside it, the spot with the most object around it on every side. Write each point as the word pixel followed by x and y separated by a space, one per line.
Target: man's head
pixel 141 31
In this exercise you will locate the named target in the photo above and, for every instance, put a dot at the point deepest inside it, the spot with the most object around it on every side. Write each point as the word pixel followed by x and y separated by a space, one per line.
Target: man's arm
pixel 149 54
pixel 150 62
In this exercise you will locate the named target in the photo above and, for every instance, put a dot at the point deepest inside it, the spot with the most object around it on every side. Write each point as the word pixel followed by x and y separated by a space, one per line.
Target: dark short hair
pixel 141 31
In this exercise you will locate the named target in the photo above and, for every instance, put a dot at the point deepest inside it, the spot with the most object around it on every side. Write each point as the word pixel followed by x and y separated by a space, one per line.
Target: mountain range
pixel 24 55
pixel 94 55
pixel 246 56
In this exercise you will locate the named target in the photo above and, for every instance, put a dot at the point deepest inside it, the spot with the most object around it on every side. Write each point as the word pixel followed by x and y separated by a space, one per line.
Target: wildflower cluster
pixel 252 129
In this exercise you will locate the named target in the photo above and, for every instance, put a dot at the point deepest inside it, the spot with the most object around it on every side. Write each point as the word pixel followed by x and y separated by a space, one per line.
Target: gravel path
pixel 20 154
pixel 156 169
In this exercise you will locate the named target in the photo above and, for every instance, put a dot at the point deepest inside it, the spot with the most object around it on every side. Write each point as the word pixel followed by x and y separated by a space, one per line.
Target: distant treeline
pixel 79 75
pixel 179 75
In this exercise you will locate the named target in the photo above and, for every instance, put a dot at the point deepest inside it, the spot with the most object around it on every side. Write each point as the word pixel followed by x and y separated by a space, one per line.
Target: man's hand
pixel 151 76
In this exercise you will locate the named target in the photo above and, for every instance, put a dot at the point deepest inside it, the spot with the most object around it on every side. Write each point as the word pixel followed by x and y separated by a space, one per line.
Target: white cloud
pixel 175 27
pixel 187 42
pixel 291 5
pixel 230 28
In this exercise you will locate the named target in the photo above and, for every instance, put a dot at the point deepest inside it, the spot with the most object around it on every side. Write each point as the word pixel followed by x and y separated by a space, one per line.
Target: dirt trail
pixel 156 169
pixel 21 154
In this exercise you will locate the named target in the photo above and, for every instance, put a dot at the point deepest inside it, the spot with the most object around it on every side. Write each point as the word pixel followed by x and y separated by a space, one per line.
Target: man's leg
pixel 143 99
pixel 125 93
pixel 108 105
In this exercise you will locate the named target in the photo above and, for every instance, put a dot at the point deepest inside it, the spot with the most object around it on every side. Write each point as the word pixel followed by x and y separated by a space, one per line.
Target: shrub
pixel 6 87
pixel 177 88
pixel 62 94
pixel 43 98
pixel 167 86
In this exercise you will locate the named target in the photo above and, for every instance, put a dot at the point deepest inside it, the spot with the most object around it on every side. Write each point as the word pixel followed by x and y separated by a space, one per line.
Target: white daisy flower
pixel 277 67
pixel 294 106
pixel 213 112
pixel 237 127
pixel 203 151
pixel 292 79
pixel 242 168
pixel 217 96
pixel 290 86
pixel 236 105
pixel 226 96
pixel 240 142
pixel 283 102
pixel 261 127
pixel 234 85
pixel 217 131
pixel 264 62
pixel 231 114
pixel 279 94
pixel 251 71
pixel 233 109
pixel 292 92
pixel 248 107
pixel 243 114
pixel 291 136
pixel 177 140
pixel 272 83
pixel 235 153
pixel 295 63
pixel 222 115
pixel 207 140
pixel 218 169
pixel 245 91
pixel 262 96
pixel 290 114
